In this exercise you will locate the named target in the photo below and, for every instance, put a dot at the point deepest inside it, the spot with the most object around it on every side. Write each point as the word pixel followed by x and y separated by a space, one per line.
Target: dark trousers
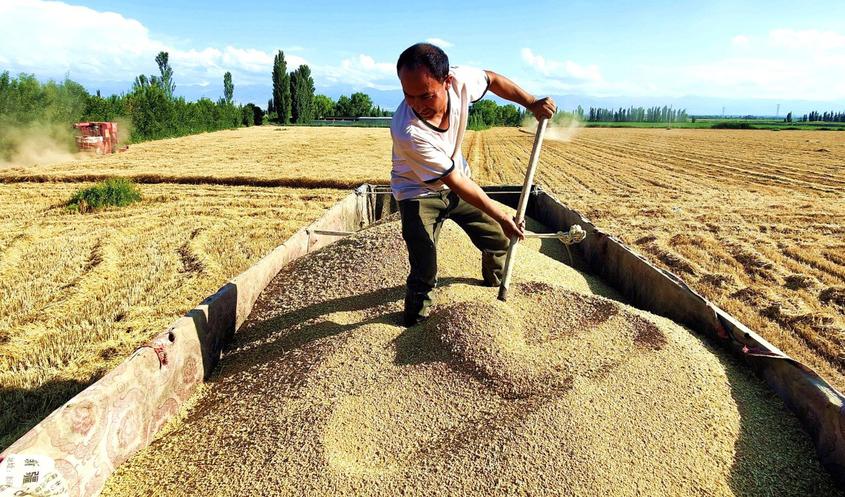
pixel 422 219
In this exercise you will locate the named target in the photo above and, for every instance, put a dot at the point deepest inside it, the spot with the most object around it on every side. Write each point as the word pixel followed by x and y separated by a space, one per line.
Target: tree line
pixel 487 113
pixel 155 112
pixel 294 100
pixel 656 114
pixel 31 109
pixel 815 116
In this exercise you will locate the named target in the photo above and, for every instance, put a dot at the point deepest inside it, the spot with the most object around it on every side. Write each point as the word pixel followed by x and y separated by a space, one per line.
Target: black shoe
pixel 416 311
pixel 412 319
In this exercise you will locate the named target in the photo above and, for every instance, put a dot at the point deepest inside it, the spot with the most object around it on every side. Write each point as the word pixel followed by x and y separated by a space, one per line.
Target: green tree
pixel 248 115
pixel 302 95
pixel 281 88
pixel 486 112
pixel 29 108
pixel 151 110
pixel 360 104
pixel 323 106
pixel 306 94
pixel 166 71
pixel 508 115
pixel 228 88
pixel 343 108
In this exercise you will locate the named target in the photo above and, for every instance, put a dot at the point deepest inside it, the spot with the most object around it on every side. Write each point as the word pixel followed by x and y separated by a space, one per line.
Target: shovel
pixel 523 203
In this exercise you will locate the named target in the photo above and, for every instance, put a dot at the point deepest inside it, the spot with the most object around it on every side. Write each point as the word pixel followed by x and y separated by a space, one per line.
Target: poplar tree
pixel 281 88
pixel 228 88
pixel 166 71
pixel 302 95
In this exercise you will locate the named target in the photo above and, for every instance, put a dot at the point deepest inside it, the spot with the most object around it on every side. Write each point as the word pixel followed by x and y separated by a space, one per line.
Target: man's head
pixel 423 70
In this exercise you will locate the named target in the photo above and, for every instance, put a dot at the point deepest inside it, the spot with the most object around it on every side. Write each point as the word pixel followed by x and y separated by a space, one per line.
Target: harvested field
pixel 263 156
pixel 78 293
pixel 751 219
pixel 560 390
pixel 754 220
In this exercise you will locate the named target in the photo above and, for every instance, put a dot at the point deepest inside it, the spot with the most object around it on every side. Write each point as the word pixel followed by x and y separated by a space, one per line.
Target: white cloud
pixel 786 64
pixel 43 36
pixel 440 42
pixel 565 76
pixel 566 70
pixel 741 41
pixel 360 72
pixel 51 39
pixel 54 38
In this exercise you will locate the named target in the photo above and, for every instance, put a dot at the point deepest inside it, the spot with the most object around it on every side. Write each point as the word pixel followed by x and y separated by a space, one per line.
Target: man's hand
pixel 543 108
pixel 512 229
pixel 507 89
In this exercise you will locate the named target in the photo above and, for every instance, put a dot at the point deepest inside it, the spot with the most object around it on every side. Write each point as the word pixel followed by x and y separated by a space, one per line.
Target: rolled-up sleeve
pixel 476 81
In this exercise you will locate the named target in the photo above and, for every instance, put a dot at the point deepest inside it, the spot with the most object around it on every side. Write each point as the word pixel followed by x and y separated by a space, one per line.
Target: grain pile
pixel 557 391
pixel 751 219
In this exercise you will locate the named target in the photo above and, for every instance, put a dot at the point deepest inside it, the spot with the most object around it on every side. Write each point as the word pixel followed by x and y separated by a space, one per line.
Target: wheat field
pixel 78 293
pixel 754 220
pixel 263 155
pixel 751 219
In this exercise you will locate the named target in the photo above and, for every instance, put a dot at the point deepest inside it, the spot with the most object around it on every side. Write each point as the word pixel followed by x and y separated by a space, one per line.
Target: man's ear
pixel 448 81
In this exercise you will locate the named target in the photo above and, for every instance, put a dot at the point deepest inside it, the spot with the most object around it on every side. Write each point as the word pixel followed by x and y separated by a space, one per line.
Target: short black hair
pixel 425 55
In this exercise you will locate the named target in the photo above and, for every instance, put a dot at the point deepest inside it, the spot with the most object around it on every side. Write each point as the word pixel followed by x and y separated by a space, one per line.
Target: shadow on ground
pixel 22 409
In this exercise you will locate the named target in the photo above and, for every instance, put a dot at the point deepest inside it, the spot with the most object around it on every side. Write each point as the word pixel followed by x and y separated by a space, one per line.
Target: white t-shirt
pixel 423 153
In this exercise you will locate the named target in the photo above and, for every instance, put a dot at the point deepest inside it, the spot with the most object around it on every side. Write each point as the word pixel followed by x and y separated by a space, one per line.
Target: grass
pixel 113 192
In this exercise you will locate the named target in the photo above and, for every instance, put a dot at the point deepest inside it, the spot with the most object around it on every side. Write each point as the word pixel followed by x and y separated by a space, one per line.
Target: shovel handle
pixel 523 204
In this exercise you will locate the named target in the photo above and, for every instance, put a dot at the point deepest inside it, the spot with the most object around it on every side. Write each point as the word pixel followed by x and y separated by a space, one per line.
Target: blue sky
pixel 632 50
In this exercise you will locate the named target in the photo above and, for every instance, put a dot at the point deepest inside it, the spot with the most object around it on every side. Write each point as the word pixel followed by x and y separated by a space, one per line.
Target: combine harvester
pixel 81 443
pixel 99 138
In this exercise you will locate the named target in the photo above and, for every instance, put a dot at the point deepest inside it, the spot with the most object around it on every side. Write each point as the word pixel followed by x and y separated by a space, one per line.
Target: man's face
pixel 423 92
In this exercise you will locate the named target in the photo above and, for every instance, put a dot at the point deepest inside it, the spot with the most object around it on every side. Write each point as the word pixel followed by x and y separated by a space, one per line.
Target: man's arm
pixel 507 89
pixel 469 191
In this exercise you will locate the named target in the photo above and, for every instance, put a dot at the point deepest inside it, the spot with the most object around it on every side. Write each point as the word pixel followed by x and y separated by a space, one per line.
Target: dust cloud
pixel 35 144
pixel 561 128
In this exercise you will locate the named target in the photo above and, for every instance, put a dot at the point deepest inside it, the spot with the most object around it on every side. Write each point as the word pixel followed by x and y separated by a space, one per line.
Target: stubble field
pixel 754 220
pixel 751 219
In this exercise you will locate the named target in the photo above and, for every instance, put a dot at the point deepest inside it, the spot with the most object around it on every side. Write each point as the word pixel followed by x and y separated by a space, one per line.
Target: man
pixel 430 177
